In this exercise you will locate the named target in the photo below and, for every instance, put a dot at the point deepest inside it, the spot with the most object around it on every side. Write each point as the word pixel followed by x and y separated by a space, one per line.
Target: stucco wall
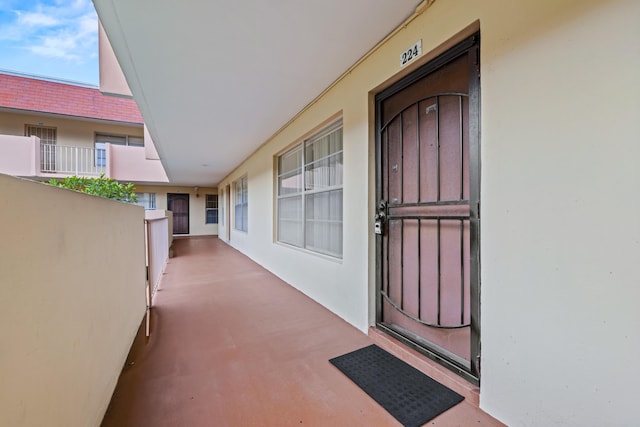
pixel 559 291
pixel 19 155
pixel 72 283
pixel 560 235
pixel 112 80
pixel 72 132
pixel 197 226
pixel 130 164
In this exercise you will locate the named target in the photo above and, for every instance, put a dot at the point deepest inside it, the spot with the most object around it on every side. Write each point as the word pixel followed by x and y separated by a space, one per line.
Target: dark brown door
pixel 179 205
pixel 428 200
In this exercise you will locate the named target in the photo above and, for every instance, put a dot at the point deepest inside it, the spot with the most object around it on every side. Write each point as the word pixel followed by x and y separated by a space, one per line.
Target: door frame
pixel 227 212
pixel 470 45
pixel 188 210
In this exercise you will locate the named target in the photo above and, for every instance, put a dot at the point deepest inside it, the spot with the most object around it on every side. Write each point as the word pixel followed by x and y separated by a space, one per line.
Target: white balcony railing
pixel 27 156
pixel 72 160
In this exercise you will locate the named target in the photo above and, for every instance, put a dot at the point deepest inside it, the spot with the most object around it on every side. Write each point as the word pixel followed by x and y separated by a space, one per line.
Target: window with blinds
pixel 211 209
pixel 241 197
pixel 136 141
pixel 310 193
pixel 146 200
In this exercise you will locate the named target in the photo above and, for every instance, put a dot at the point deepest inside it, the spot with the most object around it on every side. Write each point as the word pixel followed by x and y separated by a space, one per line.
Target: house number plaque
pixel 411 53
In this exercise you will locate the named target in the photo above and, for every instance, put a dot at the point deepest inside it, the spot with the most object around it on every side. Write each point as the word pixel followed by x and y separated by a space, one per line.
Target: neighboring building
pixel 53 129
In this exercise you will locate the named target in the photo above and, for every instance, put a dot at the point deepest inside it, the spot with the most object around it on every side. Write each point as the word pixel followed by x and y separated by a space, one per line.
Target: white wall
pixel 339 284
pixel 72 296
pixel 559 216
pixel 561 237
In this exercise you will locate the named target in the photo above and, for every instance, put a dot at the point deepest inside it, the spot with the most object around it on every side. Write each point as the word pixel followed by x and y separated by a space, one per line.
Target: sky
pixel 51 38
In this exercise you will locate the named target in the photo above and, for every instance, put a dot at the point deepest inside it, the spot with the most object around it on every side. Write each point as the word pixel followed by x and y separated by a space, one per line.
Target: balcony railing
pixel 27 156
pixel 72 160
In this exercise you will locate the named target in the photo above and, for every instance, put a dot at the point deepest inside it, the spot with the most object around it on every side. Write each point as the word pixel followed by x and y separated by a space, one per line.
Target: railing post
pixel 76 161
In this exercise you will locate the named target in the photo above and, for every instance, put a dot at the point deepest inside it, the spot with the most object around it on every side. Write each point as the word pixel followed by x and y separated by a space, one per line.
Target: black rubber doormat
pixel 406 393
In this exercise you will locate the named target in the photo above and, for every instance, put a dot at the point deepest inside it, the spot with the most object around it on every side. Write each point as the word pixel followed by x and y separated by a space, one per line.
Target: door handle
pixel 380 217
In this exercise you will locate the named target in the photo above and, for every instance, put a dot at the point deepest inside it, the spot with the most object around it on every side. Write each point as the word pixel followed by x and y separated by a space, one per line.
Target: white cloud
pixel 36 19
pixel 82 4
pixel 65 30
pixel 55 48
pixel 88 25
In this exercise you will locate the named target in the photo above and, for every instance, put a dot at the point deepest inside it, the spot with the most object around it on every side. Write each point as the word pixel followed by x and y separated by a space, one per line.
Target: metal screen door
pixel 48 139
pixel 427 212
pixel 179 204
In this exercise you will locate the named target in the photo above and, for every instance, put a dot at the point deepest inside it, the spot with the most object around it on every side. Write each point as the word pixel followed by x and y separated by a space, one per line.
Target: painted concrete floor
pixel 233 345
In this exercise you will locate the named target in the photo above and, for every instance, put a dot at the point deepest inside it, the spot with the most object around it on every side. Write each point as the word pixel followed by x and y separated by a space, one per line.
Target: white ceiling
pixel 214 79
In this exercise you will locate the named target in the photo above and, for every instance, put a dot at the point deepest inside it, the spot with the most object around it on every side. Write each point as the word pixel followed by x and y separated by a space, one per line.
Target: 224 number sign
pixel 410 54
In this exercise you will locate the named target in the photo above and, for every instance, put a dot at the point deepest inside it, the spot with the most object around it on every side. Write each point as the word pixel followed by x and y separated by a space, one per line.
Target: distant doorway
pixel 179 204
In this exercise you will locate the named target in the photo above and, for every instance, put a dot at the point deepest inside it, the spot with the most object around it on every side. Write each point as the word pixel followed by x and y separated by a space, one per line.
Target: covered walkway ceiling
pixel 216 79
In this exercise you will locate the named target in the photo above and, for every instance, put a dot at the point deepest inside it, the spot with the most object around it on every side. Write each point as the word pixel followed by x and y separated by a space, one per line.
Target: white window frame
pixel 312 181
pixel 101 139
pixel 101 154
pixel 241 202
pixel 221 202
pixel 116 139
pixel 213 208
pixel 146 200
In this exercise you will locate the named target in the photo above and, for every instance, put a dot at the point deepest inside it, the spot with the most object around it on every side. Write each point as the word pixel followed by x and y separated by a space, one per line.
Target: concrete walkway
pixel 233 345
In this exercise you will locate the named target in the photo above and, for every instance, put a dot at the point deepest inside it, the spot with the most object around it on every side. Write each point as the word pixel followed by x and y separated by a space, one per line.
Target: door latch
pixel 380 218
pixel 377 227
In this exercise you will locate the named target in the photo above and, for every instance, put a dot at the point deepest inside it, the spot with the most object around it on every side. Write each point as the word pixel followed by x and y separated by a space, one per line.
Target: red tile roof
pixel 22 93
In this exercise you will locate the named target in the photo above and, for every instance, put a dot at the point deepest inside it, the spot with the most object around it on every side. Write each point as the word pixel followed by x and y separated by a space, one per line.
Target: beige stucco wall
pixel 72 132
pixel 559 148
pixel 72 281
pixel 197 226
pixel 162 213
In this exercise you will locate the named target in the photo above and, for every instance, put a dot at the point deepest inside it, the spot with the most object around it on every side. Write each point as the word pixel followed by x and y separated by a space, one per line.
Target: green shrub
pixel 104 187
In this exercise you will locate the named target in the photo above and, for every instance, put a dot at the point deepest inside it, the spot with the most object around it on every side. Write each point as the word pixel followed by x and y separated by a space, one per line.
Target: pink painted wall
pixel 149 147
pixel 112 80
pixel 126 163
pixel 19 155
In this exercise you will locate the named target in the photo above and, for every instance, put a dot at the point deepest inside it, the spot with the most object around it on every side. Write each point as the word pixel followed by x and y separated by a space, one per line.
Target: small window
pixel 146 200
pixel 101 154
pixel 103 138
pixel 47 135
pixel 241 205
pixel 310 193
pixel 211 209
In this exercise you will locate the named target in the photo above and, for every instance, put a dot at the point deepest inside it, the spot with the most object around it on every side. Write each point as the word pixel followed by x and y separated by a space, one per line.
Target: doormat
pixel 406 393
